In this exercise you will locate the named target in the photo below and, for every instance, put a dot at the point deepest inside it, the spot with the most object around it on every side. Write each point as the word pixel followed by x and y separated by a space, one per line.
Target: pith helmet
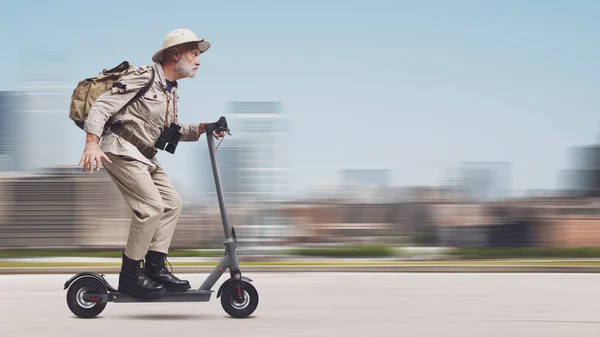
pixel 178 37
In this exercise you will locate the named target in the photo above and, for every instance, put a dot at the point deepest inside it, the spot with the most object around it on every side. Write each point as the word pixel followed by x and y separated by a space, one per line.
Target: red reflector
pixel 95 299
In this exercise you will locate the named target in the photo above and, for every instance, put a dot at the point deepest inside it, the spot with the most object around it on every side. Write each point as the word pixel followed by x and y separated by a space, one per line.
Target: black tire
pixel 75 301
pixel 239 310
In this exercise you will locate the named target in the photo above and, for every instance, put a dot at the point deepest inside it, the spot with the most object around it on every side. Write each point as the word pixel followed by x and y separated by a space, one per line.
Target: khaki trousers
pixel 155 204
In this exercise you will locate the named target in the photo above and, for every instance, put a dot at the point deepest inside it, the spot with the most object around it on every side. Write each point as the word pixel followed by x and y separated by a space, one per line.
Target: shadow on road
pixel 535 321
pixel 165 317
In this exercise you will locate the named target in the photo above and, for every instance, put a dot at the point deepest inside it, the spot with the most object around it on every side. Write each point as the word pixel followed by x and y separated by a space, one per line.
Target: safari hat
pixel 178 37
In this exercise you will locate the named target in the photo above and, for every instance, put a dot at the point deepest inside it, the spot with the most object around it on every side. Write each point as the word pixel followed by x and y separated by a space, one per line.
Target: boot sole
pixel 143 294
pixel 177 289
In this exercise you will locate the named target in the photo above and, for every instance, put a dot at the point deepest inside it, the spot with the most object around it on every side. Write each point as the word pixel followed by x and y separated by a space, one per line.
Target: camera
pixel 169 138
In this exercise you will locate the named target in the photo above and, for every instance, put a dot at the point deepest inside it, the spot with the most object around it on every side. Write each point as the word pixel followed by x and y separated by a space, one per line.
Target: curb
pixel 328 269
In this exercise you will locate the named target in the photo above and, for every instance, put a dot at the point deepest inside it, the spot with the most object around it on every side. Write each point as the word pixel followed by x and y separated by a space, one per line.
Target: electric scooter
pixel 89 293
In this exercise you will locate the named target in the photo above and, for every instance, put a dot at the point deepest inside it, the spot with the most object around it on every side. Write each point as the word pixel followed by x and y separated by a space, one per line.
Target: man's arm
pixel 91 138
pixel 106 106
pixel 110 102
pixel 191 132
pixel 92 153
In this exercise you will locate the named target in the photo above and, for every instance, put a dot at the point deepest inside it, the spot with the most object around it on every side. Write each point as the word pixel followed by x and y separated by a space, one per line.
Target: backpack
pixel 89 89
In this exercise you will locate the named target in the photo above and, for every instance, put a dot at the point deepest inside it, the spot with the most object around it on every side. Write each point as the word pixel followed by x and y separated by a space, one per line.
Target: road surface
pixel 328 304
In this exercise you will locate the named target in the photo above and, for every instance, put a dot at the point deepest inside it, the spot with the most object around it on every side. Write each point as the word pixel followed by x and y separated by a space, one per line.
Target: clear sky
pixel 411 86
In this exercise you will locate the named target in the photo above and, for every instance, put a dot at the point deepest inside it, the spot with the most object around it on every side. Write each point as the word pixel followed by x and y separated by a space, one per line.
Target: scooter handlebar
pixel 218 126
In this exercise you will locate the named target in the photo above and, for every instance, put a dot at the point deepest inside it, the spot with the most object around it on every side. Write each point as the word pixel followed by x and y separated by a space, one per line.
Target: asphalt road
pixel 329 304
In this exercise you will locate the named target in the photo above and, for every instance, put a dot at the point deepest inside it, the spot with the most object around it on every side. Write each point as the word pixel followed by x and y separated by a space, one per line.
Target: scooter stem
pixel 217 176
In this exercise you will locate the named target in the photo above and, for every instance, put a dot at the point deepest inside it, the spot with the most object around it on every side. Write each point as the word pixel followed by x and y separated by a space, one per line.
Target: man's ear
pixel 176 54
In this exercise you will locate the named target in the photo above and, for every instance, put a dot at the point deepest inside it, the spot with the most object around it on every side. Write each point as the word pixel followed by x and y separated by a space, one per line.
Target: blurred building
pixel 261 128
pixel 252 162
pixel 229 157
pixel 46 99
pixel 61 207
pixel 583 178
pixel 485 181
pixel 253 169
pixel 13 132
pixel 365 184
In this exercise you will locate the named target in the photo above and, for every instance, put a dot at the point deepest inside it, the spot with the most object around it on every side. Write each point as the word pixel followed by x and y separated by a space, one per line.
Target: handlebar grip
pixel 218 126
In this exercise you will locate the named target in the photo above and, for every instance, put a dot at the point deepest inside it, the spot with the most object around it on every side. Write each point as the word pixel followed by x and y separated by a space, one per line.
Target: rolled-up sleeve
pixel 190 132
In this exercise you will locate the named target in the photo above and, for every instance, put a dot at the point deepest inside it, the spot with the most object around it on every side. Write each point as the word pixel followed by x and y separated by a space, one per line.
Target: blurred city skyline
pixel 414 89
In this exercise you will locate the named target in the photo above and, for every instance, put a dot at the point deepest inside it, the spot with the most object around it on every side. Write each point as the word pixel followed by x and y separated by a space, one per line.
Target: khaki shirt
pixel 145 117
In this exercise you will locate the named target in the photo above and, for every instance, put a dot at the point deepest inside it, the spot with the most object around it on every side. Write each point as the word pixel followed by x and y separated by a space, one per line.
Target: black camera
pixel 169 138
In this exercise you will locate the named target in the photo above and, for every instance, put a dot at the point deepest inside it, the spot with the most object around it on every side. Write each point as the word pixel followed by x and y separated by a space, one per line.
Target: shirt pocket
pixel 153 106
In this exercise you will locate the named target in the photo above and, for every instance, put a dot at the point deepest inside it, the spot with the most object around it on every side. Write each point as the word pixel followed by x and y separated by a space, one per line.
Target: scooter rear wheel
pixel 78 305
pixel 236 309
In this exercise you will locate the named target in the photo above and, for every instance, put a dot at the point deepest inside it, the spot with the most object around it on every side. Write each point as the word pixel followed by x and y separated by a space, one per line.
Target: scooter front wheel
pixel 78 304
pixel 239 309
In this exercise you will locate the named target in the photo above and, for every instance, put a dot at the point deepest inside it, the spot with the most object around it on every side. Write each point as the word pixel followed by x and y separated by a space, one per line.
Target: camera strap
pixel 167 112
pixel 172 95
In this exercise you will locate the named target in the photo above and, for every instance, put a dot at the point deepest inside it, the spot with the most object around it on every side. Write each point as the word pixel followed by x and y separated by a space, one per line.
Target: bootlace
pixel 165 267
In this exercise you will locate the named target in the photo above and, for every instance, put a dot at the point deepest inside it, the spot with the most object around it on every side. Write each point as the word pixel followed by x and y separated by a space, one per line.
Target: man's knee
pixel 177 203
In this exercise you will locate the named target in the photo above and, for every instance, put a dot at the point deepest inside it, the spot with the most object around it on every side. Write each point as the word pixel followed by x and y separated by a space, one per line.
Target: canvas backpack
pixel 89 89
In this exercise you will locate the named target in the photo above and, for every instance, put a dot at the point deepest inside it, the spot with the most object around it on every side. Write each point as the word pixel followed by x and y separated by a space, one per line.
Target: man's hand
pixel 92 154
pixel 202 129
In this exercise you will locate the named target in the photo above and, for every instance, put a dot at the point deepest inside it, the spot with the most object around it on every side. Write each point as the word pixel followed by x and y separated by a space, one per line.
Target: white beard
pixel 185 69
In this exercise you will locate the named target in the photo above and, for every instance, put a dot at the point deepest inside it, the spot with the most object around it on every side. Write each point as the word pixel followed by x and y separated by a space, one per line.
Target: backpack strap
pixel 137 96
pixel 122 131
pixel 142 91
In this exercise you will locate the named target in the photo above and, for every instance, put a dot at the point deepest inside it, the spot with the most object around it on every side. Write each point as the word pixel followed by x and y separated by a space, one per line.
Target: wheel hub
pixel 80 297
pixel 239 305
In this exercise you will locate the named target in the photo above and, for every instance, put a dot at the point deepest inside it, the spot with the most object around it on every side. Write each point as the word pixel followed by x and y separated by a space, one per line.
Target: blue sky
pixel 411 86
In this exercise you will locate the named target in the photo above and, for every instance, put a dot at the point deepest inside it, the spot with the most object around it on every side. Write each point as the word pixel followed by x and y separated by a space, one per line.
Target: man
pixel 128 153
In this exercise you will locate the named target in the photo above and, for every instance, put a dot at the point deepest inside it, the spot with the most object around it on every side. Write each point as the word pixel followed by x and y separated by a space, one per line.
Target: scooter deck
pixel 192 295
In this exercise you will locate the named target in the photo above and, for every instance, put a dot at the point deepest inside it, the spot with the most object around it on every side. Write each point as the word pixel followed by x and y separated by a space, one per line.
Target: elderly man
pixel 128 151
